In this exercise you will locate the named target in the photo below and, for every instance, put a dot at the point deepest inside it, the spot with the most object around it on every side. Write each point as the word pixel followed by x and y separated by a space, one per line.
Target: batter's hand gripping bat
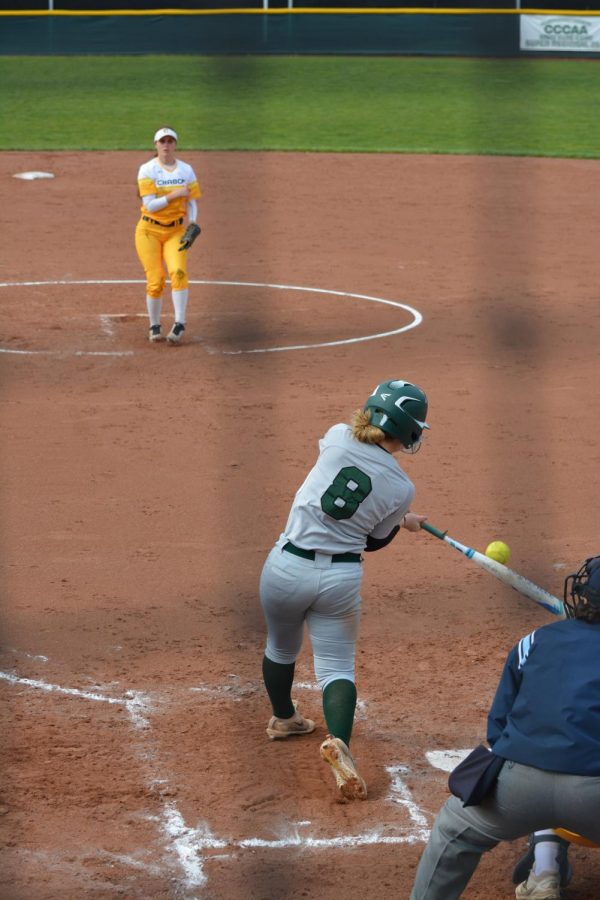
pixel 508 576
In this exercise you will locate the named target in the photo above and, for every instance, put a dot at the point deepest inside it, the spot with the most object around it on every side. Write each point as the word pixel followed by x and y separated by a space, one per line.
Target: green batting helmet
pixel 399 408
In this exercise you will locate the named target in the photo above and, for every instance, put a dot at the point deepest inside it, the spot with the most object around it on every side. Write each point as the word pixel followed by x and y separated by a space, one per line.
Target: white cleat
pixel 545 886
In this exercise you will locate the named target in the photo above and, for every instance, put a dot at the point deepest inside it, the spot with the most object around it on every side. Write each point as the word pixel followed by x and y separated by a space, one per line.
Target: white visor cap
pixel 164 132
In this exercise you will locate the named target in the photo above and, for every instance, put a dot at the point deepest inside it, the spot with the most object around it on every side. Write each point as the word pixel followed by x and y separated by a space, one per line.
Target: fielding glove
pixel 189 236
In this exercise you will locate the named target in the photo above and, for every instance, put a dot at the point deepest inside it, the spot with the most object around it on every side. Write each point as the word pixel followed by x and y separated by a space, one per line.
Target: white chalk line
pixel 342 842
pixel 401 794
pixel 137 706
pixel 67 353
pixel 418 318
pixel 107 327
pixel 136 703
pixel 28 352
pixel 25 654
pixel 189 845
pixel 76 862
pixel 132 862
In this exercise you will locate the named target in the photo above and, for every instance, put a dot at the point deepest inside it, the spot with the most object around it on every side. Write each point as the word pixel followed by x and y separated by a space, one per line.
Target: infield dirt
pixel 143 491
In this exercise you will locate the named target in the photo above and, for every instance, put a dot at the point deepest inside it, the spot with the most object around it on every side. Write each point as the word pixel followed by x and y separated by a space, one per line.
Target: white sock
pixel 180 300
pixel 546 853
pixel 154 307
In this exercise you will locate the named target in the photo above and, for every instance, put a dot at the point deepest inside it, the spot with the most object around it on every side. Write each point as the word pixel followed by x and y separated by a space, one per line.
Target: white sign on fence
pixel 573 34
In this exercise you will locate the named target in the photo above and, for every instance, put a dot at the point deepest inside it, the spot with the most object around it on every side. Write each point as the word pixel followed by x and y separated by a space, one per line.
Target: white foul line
pixel 135 702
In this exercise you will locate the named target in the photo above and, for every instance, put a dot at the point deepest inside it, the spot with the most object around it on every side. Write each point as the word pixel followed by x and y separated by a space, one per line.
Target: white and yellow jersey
pixel 156 181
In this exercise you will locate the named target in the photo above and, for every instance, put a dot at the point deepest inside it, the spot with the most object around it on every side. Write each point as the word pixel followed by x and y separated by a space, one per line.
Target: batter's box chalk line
pixel 191 847
pixel 107 328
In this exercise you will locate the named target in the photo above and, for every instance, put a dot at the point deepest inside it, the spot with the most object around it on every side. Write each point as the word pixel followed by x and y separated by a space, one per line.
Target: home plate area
pixel 193 819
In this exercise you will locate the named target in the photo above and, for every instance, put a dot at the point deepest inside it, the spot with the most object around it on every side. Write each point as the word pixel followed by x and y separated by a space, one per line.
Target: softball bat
pixel 521 584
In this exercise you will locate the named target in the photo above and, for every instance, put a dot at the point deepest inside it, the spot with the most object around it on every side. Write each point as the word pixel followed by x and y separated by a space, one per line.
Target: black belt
pixel 164 224
pixel 310 554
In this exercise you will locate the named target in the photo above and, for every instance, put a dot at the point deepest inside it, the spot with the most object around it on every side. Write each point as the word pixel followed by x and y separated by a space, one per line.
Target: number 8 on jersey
pixel 346 492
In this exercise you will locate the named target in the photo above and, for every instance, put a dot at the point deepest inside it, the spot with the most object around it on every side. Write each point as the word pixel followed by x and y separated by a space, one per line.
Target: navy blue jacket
pixel 546 711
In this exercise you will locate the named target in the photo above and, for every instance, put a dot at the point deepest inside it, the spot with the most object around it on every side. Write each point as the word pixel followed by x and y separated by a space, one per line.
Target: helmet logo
pixel 399 403
pixel 385 396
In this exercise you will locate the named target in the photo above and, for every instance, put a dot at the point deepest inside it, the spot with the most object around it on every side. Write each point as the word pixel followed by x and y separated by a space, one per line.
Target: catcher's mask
pixel 582 590
pixel 399 408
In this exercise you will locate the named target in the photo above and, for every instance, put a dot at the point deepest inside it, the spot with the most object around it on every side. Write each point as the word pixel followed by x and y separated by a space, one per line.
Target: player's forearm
pixel 154 204
pixel 192 210
pixel 374 544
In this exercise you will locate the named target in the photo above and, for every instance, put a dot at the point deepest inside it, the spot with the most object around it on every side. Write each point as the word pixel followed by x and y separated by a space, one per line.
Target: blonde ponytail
pixel 363 431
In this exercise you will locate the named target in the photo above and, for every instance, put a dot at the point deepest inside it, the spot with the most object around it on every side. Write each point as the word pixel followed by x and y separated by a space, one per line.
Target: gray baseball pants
pixel 525 800
pixel 325 595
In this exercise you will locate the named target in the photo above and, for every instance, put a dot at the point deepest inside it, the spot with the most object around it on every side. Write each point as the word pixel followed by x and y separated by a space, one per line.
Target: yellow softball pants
pixel 157 247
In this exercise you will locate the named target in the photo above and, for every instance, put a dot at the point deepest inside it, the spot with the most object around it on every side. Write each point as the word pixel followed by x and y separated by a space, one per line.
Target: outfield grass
pixel 533 107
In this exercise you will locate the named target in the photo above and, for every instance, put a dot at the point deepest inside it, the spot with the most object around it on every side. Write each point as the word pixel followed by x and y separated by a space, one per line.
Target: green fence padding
pixel 429 34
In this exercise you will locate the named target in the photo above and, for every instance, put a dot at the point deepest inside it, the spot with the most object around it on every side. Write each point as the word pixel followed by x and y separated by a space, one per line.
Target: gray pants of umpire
pixel 524 800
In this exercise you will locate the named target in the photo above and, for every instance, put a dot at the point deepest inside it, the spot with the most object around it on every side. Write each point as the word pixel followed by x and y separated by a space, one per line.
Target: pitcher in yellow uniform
pixel 168 189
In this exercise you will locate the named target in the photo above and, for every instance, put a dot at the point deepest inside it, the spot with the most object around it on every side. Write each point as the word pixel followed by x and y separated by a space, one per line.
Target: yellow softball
pixel 499 551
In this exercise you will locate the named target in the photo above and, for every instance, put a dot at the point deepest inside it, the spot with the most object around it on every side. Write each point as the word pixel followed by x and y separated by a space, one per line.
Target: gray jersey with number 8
pixel 354 490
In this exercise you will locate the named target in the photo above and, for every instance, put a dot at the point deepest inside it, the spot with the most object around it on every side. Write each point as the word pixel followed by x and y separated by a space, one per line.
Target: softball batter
pixel 356 498
pixel 168 189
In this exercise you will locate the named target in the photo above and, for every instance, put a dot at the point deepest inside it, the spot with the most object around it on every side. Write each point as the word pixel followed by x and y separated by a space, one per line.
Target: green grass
pixel 538 107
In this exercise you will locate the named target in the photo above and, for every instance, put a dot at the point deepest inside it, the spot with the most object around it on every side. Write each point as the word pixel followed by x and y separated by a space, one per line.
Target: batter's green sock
pixel 339 703
pixel 278 679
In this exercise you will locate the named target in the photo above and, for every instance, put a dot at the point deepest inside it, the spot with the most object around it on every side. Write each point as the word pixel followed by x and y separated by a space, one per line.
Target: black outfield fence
pixel 406 31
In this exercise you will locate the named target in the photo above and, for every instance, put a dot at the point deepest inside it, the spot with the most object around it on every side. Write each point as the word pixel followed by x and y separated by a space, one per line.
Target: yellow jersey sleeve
pixel 146 186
